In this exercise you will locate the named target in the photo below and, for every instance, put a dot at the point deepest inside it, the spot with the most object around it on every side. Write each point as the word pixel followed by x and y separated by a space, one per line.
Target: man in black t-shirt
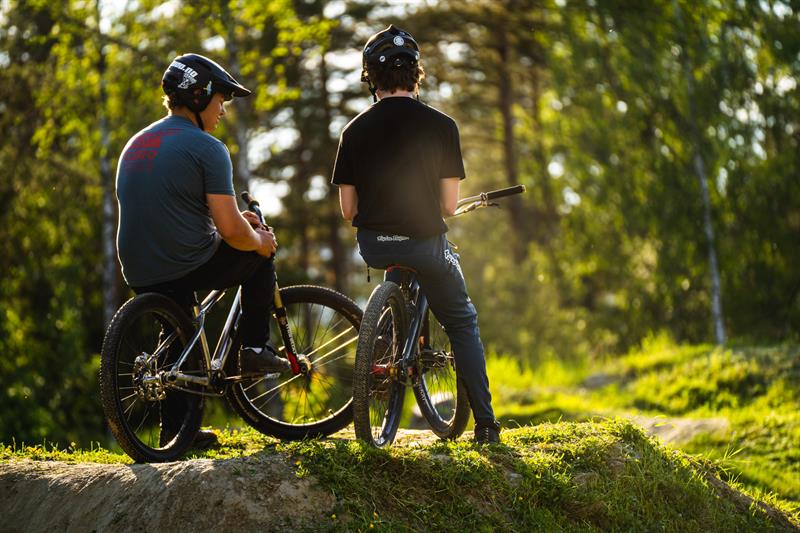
pixel 398 169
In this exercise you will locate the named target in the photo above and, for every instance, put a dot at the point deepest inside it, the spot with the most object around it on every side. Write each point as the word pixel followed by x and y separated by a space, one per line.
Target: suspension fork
pixel 286 334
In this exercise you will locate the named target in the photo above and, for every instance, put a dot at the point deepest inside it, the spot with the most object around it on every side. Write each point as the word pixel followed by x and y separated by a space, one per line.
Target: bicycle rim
pixel 156 424
pixel 440 394
pixel 324 325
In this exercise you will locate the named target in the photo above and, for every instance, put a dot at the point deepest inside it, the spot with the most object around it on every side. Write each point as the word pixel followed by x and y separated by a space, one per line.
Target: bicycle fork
pixel 405 369
pixel 299 364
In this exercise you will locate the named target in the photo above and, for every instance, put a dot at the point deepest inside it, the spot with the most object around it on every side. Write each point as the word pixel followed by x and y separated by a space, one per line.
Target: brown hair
pixel 170 102
pixel 386 78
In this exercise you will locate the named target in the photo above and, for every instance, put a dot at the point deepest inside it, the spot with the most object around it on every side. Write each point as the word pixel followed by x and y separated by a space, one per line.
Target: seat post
pixel 195 305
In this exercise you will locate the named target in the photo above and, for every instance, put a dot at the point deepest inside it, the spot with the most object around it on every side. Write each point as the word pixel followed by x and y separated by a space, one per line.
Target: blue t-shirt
pixel 163 176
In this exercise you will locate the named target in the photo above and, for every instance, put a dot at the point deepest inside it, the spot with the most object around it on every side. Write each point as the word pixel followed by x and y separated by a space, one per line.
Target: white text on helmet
pixel 180 66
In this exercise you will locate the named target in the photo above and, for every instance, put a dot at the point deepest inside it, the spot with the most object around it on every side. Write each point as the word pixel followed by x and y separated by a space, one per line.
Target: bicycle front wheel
pixel 440 393
pixel 151 422
pixel 378 389
pixel 324 325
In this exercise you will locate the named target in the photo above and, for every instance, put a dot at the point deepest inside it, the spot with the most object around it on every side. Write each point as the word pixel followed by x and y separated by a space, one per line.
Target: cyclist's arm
pixel 448 196
pixel 348 201
pixel 234 229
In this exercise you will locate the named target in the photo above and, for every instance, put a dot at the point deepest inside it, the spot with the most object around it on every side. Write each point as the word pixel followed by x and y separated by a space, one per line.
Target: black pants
pixel 229 267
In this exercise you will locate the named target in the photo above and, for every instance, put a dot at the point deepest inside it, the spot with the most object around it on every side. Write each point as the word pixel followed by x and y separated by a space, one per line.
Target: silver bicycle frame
pixel 222 349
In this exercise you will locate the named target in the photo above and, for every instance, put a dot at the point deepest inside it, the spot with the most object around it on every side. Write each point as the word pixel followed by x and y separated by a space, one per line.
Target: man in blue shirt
pixel 180 229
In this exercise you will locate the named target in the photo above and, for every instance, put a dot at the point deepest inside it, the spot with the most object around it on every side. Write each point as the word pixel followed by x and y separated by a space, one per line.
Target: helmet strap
pixel 374 91
pixel 199 120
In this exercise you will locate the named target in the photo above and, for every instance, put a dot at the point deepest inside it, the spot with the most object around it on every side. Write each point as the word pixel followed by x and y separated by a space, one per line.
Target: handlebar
pixel 253 205
pixel 465 205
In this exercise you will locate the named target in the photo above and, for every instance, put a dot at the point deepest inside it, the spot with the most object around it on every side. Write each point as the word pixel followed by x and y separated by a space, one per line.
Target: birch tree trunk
pixel 333 218
pixel 110 279
pixel 242 106
pixel 699 167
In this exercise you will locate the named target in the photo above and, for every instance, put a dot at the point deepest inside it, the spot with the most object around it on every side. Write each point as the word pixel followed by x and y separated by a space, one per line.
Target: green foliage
pixel 586 103
pixel 74 90
pixel 751 391
pixel 610 232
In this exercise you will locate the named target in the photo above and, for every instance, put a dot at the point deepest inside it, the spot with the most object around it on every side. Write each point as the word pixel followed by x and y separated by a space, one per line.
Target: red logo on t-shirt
pixel 144 149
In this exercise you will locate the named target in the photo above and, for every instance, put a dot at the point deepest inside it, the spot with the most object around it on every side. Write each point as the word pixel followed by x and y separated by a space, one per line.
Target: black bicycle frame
pixel 419 303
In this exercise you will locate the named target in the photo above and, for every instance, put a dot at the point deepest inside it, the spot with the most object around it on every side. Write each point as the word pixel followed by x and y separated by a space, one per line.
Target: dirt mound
pixel 258 493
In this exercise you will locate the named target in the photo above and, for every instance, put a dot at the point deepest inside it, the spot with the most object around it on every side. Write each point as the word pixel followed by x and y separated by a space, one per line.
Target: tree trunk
pixel 699 168
pixel 110 278
pixel 506 102
pixel 333 219
pixel 238 127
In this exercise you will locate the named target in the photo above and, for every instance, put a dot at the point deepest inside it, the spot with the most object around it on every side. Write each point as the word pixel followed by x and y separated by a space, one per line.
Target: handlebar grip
pixel 249 200
pixel 509 191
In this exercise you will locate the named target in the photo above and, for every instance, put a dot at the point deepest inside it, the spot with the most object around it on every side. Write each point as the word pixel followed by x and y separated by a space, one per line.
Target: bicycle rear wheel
pixel 440 393
pixel 324 326
pixel 378 389
pixel 151 422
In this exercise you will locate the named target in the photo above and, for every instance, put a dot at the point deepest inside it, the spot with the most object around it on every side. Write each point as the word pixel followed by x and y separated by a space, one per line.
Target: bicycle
pixel 150 366
pixel 401 344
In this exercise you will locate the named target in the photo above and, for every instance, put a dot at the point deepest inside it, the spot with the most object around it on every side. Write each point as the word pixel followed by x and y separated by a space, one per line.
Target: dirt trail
pixel 681 430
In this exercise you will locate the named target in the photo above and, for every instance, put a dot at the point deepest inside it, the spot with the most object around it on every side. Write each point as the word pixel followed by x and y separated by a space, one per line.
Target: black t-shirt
pixel 395 153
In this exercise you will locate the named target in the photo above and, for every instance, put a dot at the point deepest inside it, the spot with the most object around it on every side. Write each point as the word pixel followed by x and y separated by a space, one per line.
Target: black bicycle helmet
pixel 193 79
pixel 392 46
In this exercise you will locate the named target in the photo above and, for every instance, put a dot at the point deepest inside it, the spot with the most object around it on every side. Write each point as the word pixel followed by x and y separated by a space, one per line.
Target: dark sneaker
pixel 205 440
pixel 267 361
pixel 487 433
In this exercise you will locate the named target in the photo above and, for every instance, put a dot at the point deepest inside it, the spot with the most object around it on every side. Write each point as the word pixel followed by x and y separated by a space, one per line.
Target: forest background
pixel 658 142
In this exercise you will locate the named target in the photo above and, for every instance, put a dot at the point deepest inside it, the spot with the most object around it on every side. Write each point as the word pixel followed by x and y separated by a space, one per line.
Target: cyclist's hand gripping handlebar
pixel 253 205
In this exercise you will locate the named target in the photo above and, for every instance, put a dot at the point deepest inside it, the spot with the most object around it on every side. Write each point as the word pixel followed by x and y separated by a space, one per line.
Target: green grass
pixel 756 389
pixel 572 470
pixel 603 474
pixel 232 443
pixel 597 475
pixel 52 452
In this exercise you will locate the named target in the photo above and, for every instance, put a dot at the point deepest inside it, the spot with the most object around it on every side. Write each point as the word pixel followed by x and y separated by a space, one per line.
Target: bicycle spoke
pixel 324 385
pixel 146 412
pixel 333 328
pixel 127 409
pixel 333 360
pixel 333 340
pixel 254 384
pixel 276 387
pixel 275 392
pixel 296 407
pixel 127 397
